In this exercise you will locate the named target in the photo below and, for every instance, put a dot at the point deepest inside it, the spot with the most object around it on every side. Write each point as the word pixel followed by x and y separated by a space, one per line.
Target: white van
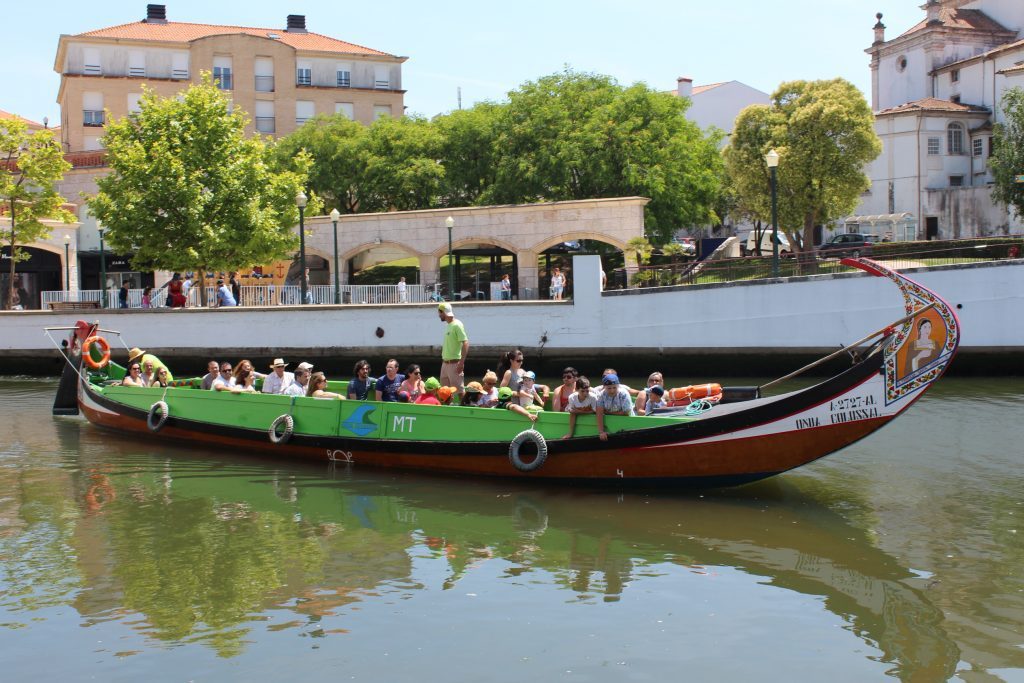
pixel 749 245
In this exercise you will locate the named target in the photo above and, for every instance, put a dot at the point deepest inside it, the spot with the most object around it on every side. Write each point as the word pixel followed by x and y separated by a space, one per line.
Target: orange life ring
pixel 104 347
pixel 682 396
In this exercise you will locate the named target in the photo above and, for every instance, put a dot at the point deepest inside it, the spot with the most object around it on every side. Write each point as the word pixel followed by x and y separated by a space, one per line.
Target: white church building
pixel 935 91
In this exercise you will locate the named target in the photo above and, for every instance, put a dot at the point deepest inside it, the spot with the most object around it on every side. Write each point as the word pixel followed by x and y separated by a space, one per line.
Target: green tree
pixel 1007 160
pixel 30 167
pixel 583 136
pixel 337 146
pixel 402 169
pixel 824 134
pixel 469 152
pixel 188 189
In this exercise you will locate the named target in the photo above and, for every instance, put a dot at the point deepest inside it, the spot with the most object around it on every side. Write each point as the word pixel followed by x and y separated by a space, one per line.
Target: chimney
pixel 156 14
pixel 684 86
pixel 933 8
pixel 296 23
pixel 879 30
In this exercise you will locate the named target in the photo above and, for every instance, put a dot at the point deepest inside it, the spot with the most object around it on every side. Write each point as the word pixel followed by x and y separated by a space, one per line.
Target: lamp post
pixel 67 266
pixel 772 160
pixel 300 201
pixel 337 287
pixel 450 223
pixel 103 271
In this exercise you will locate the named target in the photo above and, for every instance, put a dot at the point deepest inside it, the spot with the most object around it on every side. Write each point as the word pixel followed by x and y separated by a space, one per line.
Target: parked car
pixel 749 246
pixel 848 244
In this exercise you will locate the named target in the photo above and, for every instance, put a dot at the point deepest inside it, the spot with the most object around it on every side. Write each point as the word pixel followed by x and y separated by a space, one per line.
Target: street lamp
pixel 450 223
pixel 300 201
pixel 67 267
pixel 772 159
pixel 337 287
pixel 103 271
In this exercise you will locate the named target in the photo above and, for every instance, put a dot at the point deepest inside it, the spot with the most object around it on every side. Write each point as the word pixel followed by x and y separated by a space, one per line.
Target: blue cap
pixel 610 378
pixel 530 375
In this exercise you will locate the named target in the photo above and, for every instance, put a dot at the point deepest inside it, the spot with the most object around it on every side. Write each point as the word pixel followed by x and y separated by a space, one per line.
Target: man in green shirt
pixel 454 349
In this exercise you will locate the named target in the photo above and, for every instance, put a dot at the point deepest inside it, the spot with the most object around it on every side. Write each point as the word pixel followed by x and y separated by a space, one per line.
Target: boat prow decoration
pixel 749 437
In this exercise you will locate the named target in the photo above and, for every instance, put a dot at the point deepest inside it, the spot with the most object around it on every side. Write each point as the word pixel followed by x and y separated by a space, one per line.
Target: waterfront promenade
pixel 756 320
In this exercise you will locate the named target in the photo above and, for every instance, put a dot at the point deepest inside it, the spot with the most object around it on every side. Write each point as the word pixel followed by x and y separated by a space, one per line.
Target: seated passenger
pixel 655 379
pixel 472 395
pixel 560 397
pixel 148 374
pixel 429 395
pixel 134 376
pixel 138 354
pixel 413 383
pixel 318 387
pixel 225 381
pixel 278 380
pixel 613 400
pixel 529 397
pixel 245 376
pixel 403 397
pixel 160 380
pixel 362 385
pixel 489 399
pixel 390 383
pixel 298 387
pixel 582 402
pixel 444 395
pixel 656 400
pixel 212 370
pixel 611 371
pixel 507 400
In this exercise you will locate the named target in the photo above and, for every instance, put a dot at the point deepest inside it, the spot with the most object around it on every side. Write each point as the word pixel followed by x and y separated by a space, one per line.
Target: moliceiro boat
pixel 745 437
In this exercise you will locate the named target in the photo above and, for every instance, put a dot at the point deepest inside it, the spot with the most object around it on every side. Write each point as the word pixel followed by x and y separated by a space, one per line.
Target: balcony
pixel 264 84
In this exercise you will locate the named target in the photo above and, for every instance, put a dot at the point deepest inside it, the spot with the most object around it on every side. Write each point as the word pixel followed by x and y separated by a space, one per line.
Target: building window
pixel 304 77
pixel 380 110
pixel 901 63
pixel 179 66
pixel 954 75
pixel 956 181
pixel 265 122
pixel 91 143
pixel 137 64
pixel 345 108
pixel 91 117
pixel 303 112
pixel 344 79
pixel 955 138
pixel 978 146
pixel 91 62
pixel 934 145
pixel 222 73
pixel 92 109
pixel 381 77
pixel 133 102
pixel 264 70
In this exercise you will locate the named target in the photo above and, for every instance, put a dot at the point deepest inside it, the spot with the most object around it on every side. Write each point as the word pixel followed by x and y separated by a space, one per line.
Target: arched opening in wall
pixel 384 264
pixel 560 256
pixel 478 271
pixel 40 273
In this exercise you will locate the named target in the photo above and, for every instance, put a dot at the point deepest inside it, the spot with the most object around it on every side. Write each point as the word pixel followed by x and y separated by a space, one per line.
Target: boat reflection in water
pixel 216 552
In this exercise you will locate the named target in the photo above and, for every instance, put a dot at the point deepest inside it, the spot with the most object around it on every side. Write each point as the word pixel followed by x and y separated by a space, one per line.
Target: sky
pixel 488 49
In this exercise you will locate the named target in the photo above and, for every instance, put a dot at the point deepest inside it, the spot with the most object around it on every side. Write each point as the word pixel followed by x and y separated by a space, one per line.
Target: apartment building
pixel 279 77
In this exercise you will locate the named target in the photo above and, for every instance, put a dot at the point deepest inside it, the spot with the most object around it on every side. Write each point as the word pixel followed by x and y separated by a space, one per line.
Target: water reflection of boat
pixel 735 442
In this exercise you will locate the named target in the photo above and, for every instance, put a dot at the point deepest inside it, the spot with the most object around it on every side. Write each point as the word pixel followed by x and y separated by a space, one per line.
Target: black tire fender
pixel 158 414
pixel 531 435
pixel 289 425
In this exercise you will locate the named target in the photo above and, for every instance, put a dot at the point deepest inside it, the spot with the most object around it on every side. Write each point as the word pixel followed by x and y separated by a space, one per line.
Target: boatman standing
pixel 454 349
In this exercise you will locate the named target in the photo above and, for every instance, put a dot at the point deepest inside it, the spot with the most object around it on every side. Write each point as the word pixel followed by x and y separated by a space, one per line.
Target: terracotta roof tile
pixel 963 19
pixel 180 32
pixel 935 104
pixel 698 89
pixel 9 116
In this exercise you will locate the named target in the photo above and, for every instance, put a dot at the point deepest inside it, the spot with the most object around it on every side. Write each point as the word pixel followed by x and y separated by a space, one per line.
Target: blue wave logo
pixel 359 423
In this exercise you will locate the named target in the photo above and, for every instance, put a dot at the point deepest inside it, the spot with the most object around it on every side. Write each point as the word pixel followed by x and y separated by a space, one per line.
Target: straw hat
pixel 134 353
pixel 279 362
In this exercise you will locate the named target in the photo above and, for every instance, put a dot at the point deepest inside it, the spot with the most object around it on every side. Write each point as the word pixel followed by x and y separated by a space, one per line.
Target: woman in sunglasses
pixel 413 383
pixel 160 378
pixel 134 376
pixel 318 387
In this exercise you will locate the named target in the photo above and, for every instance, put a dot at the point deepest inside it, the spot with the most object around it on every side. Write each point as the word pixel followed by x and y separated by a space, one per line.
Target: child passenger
pixel 580 403
pixel 655 400
pixel 529 398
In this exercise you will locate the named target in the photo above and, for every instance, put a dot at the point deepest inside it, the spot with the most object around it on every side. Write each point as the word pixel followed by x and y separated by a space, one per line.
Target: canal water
pixel 898 558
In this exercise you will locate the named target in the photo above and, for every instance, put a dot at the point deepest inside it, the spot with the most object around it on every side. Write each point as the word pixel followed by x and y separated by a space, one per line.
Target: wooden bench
pixel 73 305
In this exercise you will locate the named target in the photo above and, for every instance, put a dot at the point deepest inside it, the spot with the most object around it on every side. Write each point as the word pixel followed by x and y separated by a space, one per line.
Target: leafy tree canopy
pixel 31 164
pixel 824 134
pixel 1007 160
pixel 188 189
